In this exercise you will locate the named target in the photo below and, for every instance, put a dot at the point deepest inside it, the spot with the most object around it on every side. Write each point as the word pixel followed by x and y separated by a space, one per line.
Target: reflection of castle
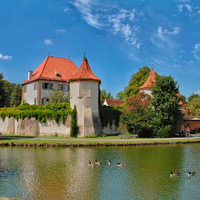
pixel 84 89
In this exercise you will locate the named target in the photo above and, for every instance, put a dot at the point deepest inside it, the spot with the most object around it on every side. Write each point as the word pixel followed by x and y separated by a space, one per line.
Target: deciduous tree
pixel 16 96
pixel 2 92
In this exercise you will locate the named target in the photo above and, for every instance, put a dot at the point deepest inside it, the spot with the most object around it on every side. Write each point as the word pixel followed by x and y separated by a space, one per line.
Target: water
pixel 63 173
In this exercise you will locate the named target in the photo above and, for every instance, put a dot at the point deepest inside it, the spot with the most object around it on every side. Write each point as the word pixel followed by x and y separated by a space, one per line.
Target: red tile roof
pixel 84 72
pixel 113 102
pixel 51 66
pixel 149 81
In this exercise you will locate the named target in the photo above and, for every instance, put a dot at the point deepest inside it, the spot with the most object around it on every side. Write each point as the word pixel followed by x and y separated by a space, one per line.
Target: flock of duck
pixel 109 162
pixel 176 174
pixel 122 165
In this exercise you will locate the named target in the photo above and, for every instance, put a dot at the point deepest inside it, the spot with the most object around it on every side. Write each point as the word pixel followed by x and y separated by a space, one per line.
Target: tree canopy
pixel 16 96
pixel 194 107
pixel 167 115
pixel 2 91
pixel 104 95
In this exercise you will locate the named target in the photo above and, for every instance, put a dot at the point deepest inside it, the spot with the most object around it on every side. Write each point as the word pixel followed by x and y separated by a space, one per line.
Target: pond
pixel 63 173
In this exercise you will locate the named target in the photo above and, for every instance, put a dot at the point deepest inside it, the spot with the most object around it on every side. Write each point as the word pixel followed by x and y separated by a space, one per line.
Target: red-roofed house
pixel 146 86
pixel 50 73
pixel 108 102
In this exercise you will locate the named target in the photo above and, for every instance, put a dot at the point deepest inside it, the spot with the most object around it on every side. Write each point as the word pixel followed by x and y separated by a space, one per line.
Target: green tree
pixel 16 96
pixel 192 97
pixel 120 96
pixel 167 115
pixel 194 107
pixel 137 80
pixel 2 92
pixel 57 95
pixel 104 95
pixel 137 115
pixel 8 88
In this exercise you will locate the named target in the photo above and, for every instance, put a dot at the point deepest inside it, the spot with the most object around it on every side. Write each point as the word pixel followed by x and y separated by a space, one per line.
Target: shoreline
pixel 24 141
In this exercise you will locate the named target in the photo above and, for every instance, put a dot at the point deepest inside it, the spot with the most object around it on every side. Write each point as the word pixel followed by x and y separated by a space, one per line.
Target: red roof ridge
pixel 84 72
pixel 149 81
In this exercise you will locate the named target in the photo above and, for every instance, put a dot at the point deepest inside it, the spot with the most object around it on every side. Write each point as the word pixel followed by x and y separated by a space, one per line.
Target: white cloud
pixel 198 92
pixel 120 23
pixel 188 7
pixel 5 57
pixel 61 31
pixel 162 38
pixel 48 42
pixel 85 8
pixel 196 51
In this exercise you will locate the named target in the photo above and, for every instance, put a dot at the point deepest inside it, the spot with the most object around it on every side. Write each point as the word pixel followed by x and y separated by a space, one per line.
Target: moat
pixel 63 173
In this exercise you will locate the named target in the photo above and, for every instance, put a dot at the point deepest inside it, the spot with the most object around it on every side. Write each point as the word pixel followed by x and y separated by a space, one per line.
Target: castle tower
pixel 84 93
pixel 146 86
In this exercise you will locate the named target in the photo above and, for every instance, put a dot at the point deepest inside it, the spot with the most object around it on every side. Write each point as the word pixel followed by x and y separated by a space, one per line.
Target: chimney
pixel 30 75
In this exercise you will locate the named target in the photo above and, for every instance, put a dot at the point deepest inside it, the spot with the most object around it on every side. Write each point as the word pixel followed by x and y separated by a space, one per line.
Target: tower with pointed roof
pixel 84 93
pixel 147 85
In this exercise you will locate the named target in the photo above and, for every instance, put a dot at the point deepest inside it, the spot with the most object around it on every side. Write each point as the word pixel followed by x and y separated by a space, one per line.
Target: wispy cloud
pixel 5 57
pixel 196 50
pixel 162 37
pixel 48 42
pixel 61 31
pixel 85 8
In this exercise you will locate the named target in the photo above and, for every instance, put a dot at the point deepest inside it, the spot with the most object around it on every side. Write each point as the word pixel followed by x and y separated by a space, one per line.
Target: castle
pixel 83 84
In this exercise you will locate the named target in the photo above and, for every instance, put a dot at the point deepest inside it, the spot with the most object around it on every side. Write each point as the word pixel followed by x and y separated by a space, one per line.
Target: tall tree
pixel 167 115
pixel 120 96
pixel 8 88
pixel 136 81
pixel 16 96
pixel 192 97
pixel 2 92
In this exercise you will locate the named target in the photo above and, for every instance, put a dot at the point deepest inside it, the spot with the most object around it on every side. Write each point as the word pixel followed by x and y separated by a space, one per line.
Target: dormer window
pixel 57 74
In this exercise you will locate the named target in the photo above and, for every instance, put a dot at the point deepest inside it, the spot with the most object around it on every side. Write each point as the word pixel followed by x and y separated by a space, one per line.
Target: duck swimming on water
pixel 120 164
pixel 173 174
pixel 190 173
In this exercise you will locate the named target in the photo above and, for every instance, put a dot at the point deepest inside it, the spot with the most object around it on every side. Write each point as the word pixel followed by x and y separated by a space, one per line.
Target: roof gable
pixel 84 72
pixel 149 81
pixel 53 68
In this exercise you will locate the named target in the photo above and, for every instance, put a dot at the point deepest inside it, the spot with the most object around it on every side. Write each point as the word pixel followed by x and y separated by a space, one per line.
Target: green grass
pixel 99 140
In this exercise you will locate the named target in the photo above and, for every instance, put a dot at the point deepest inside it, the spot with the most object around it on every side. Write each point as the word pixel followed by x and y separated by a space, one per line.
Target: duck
pixel 109 162
pixel 120 164
pixel 190 173
pixel 97 163
pixel 90 164
pixel 173 174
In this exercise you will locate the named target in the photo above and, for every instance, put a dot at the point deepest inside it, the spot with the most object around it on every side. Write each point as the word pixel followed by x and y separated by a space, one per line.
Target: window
pixel 35 101
pixel 47 86
pixel 44 101
pixel 35 86
pixel 60 86
pixel 25 88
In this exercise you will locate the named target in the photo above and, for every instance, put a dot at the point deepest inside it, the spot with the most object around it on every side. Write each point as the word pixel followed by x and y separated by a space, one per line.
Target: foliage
pixel 167 115
pixel 104 95
pixel 57 95
pixel 192 97
pixel 2 91
pixel 54 111
pixel 108 115
pixel 8 88
pixel 137 115
pixel 16 96
pixel 74 127
pixel 137 80
pixel 120 96
pixel 194 107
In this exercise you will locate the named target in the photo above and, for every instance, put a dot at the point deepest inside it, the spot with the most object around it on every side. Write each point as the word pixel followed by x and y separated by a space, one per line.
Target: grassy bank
pixel 17 140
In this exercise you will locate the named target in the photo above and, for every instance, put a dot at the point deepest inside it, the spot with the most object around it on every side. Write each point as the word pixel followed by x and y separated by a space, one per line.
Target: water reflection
pixel 63 173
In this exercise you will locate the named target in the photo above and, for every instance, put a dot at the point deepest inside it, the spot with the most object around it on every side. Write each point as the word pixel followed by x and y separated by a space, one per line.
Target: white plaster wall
pixel 84 94
pixel 4 125
pixel 30 94
pixel 34 127
pixel 147 92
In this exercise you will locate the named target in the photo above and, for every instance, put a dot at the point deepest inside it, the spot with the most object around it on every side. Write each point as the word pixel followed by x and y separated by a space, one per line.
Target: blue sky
pixel 119 38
